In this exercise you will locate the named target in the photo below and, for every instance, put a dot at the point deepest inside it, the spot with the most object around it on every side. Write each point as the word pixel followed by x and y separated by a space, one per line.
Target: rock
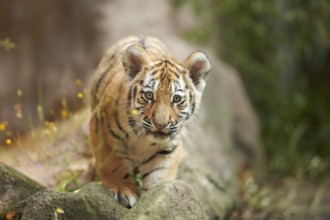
pixel 91 202
pixel 217 194
pixel 15 187
pixel 168 200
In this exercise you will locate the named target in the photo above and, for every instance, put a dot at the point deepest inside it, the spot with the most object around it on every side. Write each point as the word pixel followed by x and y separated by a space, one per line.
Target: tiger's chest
pixel 140 149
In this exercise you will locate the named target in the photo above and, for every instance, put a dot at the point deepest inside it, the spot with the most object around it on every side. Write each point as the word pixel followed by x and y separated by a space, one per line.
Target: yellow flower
pixel 8 141
pixel 64 113
pixel 19 92
pixel 3 125
pixel 134 111
pixel 78 82
pixel 80 95
pixel 51 126
pixel 59 210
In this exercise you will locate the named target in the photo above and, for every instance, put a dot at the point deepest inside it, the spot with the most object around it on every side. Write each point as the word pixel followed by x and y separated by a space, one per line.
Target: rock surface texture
pixel 26 200
pixel 15 187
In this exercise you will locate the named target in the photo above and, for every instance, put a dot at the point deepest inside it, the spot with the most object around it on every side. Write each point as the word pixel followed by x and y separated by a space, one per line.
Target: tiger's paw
pixel 124 196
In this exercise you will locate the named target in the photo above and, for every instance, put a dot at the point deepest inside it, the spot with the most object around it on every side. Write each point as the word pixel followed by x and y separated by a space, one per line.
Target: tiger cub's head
pixel 163 93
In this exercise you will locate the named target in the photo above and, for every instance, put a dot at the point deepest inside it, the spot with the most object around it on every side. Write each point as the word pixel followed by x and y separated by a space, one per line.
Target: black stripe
pixel 152 83
pixel 115 169
pixel 116 115
pixel 129 94
pixel 177 75
pixel 126 176
pixel 172 68
pixel 112 132
pixel 98 84
pixel 157 65
pixel 134 92
pixel 185 114
pixel 160 153
pixel 103 75
pixel 147 174
pixel 170 64
pixel 132 123
pixel 154 72
pixel 192 101
pixel 182 105
pixel 122 154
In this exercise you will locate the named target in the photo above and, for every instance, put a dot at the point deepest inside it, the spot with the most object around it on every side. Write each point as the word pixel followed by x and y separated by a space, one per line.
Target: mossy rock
pixel 15 187
pixel 91 202
pixel 167 200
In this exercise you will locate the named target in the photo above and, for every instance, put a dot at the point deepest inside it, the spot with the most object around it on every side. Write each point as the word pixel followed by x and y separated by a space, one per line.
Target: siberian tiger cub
pixel 141 99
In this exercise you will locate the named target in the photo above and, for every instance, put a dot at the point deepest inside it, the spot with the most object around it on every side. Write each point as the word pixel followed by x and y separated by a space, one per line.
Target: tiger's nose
pixel 160 126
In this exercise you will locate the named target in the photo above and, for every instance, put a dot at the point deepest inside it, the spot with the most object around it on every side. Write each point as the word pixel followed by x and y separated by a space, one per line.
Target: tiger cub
pixel 141 99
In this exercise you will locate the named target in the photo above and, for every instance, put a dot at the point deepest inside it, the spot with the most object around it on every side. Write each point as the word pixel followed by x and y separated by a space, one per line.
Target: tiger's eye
pixel 177 98
pixel 149 96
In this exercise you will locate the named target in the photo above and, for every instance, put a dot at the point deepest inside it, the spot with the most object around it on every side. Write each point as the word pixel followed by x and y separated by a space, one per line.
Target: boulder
pixel 168 200
pixel 15 186
pixel 90 202
pixel 25 199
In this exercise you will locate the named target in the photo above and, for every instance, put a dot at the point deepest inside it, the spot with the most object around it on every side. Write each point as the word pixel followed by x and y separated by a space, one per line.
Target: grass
pixel 44 148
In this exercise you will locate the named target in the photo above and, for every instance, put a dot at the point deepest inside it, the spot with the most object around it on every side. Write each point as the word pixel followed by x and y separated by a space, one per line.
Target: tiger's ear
pixel 134 58
pixel 198 66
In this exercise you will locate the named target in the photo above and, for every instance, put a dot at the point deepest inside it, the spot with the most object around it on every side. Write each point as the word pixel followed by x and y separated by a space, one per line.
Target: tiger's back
pixel 141 98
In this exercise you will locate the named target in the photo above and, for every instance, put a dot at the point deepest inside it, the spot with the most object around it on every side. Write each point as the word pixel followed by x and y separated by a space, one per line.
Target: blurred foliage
pixel 282 50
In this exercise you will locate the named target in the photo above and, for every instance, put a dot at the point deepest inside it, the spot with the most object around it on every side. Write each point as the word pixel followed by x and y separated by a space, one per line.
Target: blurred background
pixel 282 51
pixel 49 49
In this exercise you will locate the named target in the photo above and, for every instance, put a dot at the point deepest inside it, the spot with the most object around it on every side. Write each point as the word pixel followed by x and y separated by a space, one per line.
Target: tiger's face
pixel 163 92
pixel 163 100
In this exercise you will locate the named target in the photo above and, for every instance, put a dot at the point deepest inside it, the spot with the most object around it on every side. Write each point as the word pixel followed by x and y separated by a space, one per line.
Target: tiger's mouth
pixel 159 134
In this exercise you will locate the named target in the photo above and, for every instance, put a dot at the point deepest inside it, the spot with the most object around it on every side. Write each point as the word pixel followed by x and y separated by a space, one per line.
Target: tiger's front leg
pixel 117 175
pixel 113 166
pixel 161 166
